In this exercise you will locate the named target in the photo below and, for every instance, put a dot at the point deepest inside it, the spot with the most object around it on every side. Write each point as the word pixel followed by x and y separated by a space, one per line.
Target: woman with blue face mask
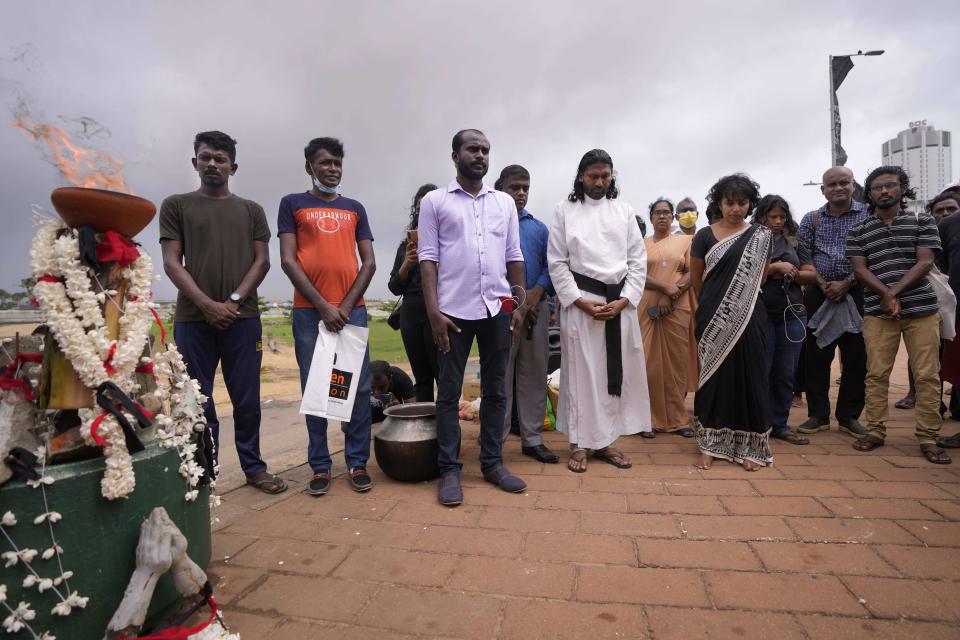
pixel 789 269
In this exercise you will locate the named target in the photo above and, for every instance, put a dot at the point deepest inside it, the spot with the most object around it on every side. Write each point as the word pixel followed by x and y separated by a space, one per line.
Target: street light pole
pixel 834 108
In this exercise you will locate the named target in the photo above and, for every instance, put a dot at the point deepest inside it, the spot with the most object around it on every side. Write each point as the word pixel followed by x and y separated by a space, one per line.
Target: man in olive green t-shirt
pixel 215 252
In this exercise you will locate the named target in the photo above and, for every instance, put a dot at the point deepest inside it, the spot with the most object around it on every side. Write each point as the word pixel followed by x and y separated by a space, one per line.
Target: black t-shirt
pixel 949 229
pixel 401 385
pixel 412 286
pixel 778 293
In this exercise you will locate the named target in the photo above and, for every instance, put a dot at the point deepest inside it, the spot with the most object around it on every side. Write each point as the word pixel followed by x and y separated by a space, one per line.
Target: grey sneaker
pixel 319 483
pixel 449 492
pixel 499 476
pixel 360 480
pixel 853 427
pixel 813 425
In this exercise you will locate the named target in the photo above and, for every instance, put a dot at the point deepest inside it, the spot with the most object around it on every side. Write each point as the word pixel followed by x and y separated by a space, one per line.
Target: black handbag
pixel 393 320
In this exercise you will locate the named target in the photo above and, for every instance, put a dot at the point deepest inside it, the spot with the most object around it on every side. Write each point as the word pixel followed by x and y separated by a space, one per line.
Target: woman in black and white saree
pixel 728 261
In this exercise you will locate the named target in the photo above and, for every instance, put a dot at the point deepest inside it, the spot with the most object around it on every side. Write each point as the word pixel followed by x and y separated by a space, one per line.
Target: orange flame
pixel 80 166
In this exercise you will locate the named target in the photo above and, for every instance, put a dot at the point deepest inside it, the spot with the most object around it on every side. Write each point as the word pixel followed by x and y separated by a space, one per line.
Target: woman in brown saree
pixel 666 320
pixel 728 262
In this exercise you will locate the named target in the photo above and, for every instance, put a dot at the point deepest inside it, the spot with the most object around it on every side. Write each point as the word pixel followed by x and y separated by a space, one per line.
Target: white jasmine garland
pixel 74 314
pixel 76 319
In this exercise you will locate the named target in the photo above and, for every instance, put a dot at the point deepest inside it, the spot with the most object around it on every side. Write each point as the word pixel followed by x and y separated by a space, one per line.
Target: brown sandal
pixel 268 483
pixel 868 443
pixel 935 454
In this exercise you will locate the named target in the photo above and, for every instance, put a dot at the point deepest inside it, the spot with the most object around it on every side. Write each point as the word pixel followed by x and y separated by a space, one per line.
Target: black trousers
pixel 853 356
pixel 418 343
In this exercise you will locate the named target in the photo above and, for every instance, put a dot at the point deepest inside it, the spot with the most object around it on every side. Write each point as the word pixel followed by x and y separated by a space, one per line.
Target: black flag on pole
pixel 840 67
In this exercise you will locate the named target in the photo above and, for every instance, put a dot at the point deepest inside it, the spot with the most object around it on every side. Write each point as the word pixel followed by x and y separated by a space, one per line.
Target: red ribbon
pixel 8 379
pixel 181 633
pixel 117 248
pixel 145 368
pixel 49 279
pixel 95 425
pixel 108 363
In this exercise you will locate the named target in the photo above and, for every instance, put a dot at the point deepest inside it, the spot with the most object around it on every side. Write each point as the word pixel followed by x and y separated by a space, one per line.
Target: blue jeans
pixel 306 328
pixel 238 350
pixel 784 341
pixel 493 339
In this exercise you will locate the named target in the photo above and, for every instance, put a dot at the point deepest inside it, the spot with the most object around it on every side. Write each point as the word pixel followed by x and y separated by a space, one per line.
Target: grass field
pixel 385 343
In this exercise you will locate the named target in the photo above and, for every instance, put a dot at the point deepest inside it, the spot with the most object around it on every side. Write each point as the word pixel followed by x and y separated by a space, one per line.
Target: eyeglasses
pixel 838 183
pixel 686 209
pixel 889 186
pixel 665 214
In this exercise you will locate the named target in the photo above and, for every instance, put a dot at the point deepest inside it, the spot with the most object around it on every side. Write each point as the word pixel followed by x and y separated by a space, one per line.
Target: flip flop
pixel 612 456
pixel 950 442
pixel 268 483
pixel 935 454
pixel 581 459
pixel 868 443
pixel 686 432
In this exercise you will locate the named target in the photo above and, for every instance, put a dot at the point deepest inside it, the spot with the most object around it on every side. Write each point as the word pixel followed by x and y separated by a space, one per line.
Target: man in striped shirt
pixel 891 252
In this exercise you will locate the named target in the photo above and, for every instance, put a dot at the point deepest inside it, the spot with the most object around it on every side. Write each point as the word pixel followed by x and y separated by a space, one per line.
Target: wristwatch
pixel 235 297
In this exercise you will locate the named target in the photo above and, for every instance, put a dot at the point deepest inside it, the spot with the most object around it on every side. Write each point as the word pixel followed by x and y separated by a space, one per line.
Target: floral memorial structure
pixel 107 474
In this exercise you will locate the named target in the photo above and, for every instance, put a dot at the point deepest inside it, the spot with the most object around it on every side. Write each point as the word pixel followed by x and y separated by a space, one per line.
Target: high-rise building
pixel 926 155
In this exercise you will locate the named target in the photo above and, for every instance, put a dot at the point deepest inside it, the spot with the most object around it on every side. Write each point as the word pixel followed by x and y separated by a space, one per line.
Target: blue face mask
pixel 322 188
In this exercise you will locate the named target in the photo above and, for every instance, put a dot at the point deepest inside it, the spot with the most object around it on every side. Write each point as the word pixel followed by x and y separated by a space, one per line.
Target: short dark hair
pixel 380 368
pixel 216 140
pixel 736 184
pixel 594 156
pixel 770 202
pixel 902 177
pixel 946 195
pixel 658 201
pixel 458 138
pixel 508 172
pixel 334 146
pixel 417 197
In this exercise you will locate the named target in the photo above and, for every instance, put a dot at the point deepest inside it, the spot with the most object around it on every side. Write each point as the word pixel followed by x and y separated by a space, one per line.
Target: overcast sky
pixel 679 95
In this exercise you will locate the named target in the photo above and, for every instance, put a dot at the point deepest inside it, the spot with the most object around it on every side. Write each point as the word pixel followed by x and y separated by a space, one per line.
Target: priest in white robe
pixel 597 262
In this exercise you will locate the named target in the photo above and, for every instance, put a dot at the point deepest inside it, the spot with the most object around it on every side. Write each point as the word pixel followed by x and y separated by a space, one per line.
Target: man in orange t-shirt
pixel 321 233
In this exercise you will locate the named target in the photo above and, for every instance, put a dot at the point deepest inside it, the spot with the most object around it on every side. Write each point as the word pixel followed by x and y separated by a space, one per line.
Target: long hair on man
pixel 594 156
pixel 908 192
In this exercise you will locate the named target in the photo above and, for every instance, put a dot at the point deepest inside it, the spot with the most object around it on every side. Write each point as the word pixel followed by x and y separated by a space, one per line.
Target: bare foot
pixel 705 461
pixel 750 465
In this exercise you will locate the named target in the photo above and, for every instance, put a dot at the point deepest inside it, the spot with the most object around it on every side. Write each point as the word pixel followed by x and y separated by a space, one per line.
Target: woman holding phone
pixel 666 322
pixel 414 326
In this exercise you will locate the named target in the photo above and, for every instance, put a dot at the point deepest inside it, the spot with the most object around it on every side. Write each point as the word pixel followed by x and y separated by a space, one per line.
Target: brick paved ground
pixel 829 543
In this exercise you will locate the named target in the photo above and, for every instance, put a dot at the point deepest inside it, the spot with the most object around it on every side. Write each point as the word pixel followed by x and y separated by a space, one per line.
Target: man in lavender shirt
pixel 470 261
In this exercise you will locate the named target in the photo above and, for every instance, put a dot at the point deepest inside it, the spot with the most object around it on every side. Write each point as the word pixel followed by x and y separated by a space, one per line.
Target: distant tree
pixel 390 305
pixel 262 304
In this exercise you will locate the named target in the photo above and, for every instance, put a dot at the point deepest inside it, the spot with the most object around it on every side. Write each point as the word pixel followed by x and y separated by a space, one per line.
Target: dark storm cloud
pixel 678 95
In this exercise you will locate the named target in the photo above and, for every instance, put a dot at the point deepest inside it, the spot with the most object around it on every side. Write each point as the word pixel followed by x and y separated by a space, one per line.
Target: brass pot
pixel 405 445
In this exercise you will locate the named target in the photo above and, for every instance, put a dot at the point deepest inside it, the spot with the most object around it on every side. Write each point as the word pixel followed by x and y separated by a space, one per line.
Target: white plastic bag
pixel 335 373
pixel 947 302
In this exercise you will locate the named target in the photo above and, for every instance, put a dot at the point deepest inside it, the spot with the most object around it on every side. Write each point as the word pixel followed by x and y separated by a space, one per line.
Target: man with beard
pixel 892 252
pixel 470 263
pixel 823 235
pixel 215 253
pixel 527 367
pixel 321 233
